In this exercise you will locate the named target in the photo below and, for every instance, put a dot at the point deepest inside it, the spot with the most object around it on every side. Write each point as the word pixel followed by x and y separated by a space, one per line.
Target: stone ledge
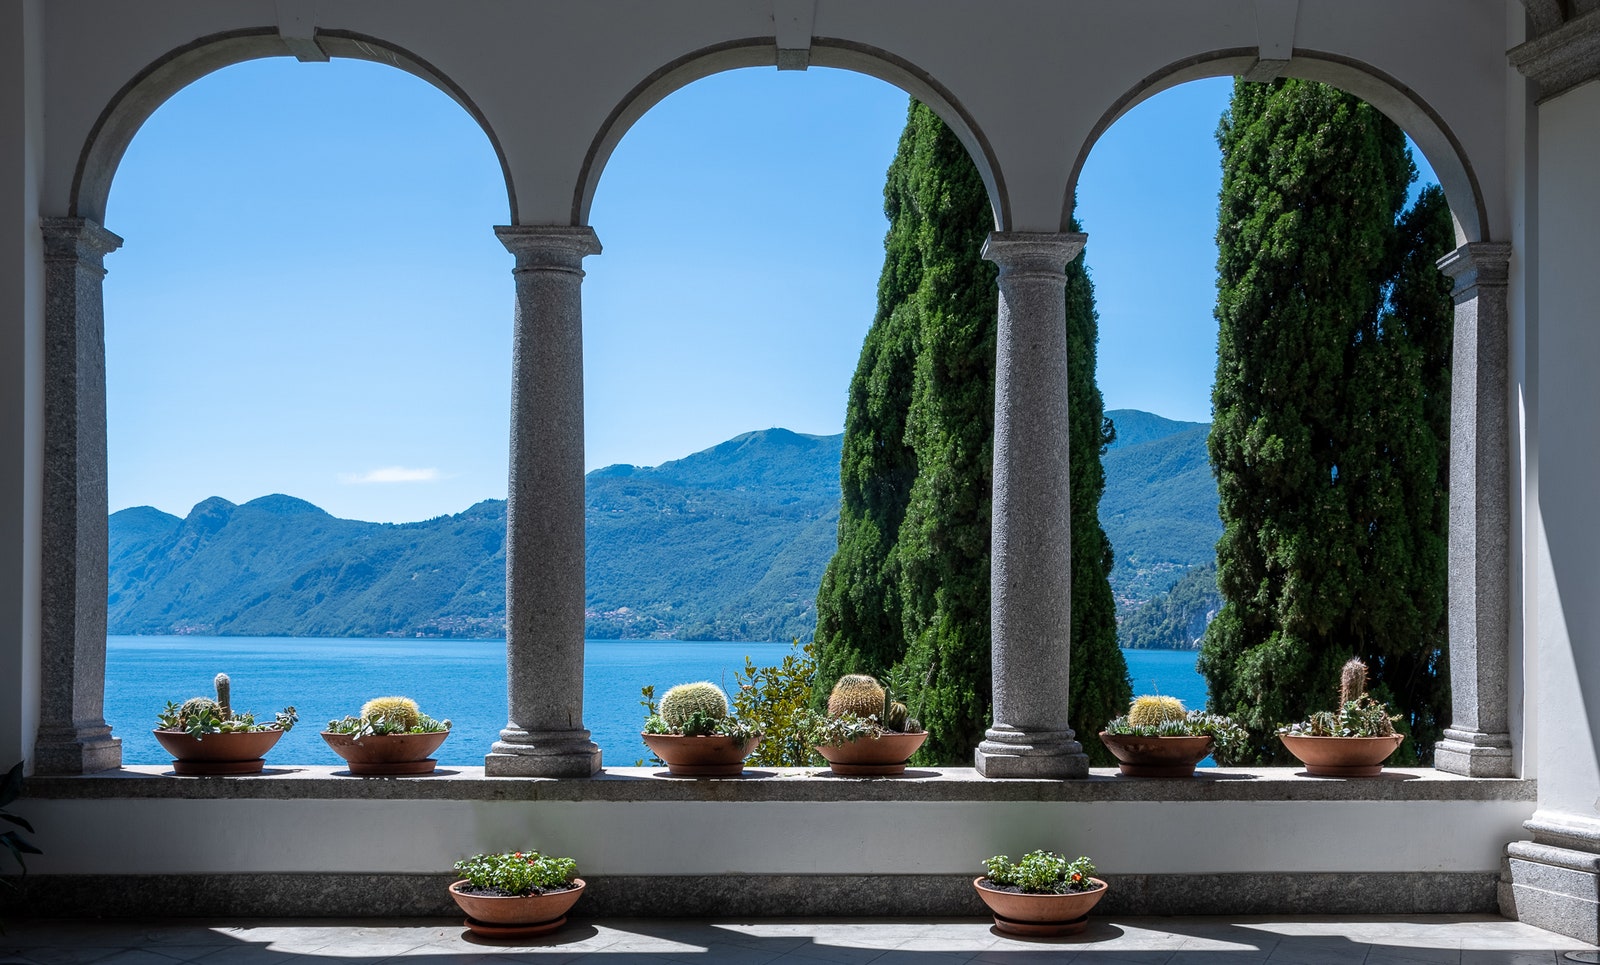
pixel 643 784
pixel 760 896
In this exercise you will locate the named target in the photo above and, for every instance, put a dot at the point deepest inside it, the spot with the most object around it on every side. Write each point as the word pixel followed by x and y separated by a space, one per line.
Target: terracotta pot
pixel 1040 915
pixel 500 916
pixel 382 755
pixel 714 755
pixel 883 756
pixel 1342 756
pixel 218 754
pixel 1157 756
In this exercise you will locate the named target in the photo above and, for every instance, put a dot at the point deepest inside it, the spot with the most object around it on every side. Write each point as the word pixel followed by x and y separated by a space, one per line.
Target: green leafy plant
pixel 776 701
pixel 199 716
pixel 14 842
pixel 517 873
pixel 1359 715
pixel 1042 873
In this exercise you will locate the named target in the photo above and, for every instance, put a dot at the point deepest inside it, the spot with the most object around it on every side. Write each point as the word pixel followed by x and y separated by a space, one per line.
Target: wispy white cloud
pixel 391 474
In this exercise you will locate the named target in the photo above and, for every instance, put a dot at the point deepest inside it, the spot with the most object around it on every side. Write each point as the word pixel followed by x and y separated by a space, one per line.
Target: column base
pixel 82 750
pixel 1555 879
pixel 548 754
pixel 1007 752
pixel 1472 754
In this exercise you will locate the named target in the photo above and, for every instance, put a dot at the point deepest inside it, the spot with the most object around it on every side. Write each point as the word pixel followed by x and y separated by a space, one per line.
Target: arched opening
pixel 742 218
pixel 1161 342
pixel 307 388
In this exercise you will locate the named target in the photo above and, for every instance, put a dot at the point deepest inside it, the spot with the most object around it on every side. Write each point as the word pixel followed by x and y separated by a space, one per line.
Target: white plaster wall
pixel 242 836
pixel 1522 158
pixel 1568 681
pixel 21 363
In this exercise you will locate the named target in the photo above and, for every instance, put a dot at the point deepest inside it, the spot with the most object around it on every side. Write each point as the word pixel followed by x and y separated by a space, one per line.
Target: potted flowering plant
pixel 866 733
pixel 516 894
pixel 206 737
pixel 391 736
pixel 1157 737
pixel 692 731
pixel 1042 895
pixel 1352 741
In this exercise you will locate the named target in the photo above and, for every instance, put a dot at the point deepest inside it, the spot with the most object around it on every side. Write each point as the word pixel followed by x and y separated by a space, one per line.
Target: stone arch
pixel 133 104
pixel 759 52
pixel 1398 102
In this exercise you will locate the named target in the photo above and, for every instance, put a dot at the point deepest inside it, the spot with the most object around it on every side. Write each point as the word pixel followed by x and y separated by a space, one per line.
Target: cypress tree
pixel 917 470
pixel 1329 429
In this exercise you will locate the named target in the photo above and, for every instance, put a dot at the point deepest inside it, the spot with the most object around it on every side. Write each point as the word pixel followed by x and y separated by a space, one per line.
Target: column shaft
pixel 1478 741
pixel 73 736
pixel 545 735
pixel 1031 556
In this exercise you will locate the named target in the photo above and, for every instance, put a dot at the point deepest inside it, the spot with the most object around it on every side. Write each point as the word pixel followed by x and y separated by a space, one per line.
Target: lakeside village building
pixel 1503 98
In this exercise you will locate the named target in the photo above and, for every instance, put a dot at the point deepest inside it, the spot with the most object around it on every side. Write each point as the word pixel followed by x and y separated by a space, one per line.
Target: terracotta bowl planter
pixel 1040 916
pixel 218 754
pixel 386 755
pixel 1157 756
pixel 883 756
pixel 519 916
pixel 1342 756
pixel 713 755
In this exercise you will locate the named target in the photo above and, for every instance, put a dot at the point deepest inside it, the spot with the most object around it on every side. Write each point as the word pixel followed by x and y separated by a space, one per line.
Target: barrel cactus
pixel 685 700
pixel 1155 711
pixel 400 710
pixel 896 716
pixel 195 707
pixel 856 694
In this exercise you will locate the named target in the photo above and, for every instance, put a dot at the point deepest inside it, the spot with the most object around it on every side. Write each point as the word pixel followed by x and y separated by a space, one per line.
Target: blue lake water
pixel 464 680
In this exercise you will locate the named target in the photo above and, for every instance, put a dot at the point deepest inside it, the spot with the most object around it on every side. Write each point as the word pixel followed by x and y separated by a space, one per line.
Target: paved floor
pixel 1467 940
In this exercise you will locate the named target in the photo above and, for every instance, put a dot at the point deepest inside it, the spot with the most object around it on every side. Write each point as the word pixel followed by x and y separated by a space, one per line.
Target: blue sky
pixel 311 300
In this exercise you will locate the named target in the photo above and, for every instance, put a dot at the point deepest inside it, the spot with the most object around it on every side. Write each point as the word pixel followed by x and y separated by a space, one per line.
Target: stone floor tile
pixel 914 956
pixel 1101 955
pixel 1042 954
pixel 728 953
pixel 1299 951
pixel 65 955
pixel 835 954
pixel 1508 956
pixel 1386 954
pixel 137 956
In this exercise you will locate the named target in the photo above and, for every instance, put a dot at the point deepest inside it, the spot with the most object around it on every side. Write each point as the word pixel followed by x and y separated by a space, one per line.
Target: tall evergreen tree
pixel 914 527
pixel 1330 428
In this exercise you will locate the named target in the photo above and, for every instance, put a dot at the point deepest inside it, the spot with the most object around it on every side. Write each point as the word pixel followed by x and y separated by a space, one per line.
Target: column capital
pixel 1486 263
pixel 1561 58
pixel 549 247
pixel 77 240
pixel 1033 251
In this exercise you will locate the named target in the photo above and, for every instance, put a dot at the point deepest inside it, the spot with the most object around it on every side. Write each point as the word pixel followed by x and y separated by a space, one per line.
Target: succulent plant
pixel 896 716
pixel 224 695
pixel 1155 711
pixel 1352 681
pixel 684 701
pixel 400 710
pixel 857 694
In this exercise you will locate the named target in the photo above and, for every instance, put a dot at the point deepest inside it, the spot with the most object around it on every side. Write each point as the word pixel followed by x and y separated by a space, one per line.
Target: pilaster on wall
pixel 1553 881
pixel 73 736
pixel 1478 741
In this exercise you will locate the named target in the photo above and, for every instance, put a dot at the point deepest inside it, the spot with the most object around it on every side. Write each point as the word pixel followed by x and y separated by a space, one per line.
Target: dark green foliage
pixel 11 839
pixel 1160 504
pixel 1330 404
pixel 1176 619
pixel 908 588
pixel 726 544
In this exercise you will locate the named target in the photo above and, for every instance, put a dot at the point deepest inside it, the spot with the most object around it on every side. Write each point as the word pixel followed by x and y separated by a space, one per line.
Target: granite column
pixel 73 735
pixel 545 736
pixel 1478 741
pixel 1030 571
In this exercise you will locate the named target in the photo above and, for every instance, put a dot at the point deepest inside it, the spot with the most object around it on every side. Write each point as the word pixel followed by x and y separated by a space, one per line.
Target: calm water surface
pixel 464 680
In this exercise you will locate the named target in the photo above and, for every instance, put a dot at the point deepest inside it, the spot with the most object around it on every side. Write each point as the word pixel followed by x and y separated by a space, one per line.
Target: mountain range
pixel 725 544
